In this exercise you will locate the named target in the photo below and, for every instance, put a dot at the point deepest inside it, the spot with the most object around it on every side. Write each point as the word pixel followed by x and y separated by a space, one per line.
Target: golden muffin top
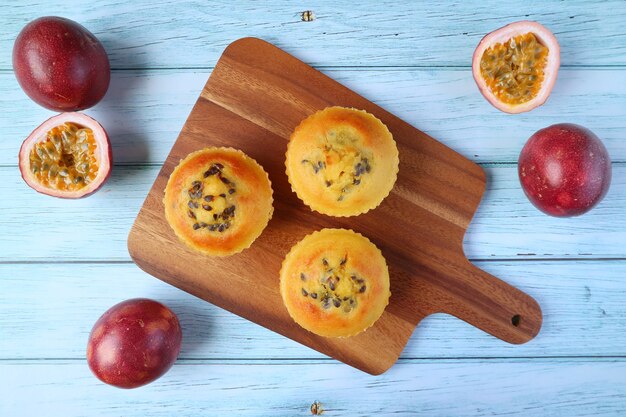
pixel 218 201
pixel 335 283
pixel 342 161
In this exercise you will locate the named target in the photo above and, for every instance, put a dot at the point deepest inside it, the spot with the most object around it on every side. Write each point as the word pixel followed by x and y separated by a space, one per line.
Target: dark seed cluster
pixel 353 179
pixel 196 189
pixel 222 220
pixel 214 169
pixel 327 293
pixel 317 166
pixel 362 167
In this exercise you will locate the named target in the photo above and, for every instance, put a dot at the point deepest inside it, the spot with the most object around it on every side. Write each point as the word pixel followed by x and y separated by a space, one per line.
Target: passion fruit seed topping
pixel 514 70
pixel 335 286
pixel 340 167
pixel 65 160
pixel 211 204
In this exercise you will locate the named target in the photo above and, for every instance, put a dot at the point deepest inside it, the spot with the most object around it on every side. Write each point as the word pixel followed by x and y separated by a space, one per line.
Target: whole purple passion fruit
pixel 61 65
pixel 564 170
pixel 134 343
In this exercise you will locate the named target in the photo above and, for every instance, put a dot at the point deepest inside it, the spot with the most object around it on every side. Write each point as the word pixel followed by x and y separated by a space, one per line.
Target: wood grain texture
pixel 144 111
pixel 582 302
pixel 575 388
pixel 255 97
pixel 505 226
pixel 166 34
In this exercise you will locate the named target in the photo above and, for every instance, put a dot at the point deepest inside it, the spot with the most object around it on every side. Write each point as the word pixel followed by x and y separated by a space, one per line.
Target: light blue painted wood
pixel 507 223
pixel 505 226
pixel 411 59
pixel 585 388
pixel 143 112
pixel 157 34
pixel 48 311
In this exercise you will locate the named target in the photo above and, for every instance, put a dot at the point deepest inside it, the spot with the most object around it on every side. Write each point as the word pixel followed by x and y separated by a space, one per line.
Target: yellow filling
pixel 339 163
pixel 514 70
pixel 333 284
pixel 65 160
pixel 211 200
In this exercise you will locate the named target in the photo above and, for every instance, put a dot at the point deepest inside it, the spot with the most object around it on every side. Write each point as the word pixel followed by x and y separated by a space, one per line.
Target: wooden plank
pixel 507 217
pixel 39 227
pixel 142 34
pixel 477 388
pixel 144 111
pixel 96 228
pixel 48 311
pixel 262 94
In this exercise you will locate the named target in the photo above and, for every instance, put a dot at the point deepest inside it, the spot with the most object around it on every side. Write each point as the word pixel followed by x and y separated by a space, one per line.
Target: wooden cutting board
pixel 256 95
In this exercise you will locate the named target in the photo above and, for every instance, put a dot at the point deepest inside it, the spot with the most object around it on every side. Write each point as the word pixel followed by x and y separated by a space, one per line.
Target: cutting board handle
pixel 494 306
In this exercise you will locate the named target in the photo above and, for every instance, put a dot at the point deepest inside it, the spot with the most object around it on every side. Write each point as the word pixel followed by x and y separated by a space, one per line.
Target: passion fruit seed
pixel 217 217
pixel 316 407
pixel 514 70
pixel 65 160
pixel 335 174
pixel 335 285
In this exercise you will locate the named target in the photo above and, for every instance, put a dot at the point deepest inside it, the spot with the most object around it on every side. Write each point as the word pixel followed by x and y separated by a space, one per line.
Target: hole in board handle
pixel 515 320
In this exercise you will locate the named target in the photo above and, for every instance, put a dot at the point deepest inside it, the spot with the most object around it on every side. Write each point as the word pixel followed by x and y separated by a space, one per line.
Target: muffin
pixel 335 283
pixel 342 161
pixel 218 201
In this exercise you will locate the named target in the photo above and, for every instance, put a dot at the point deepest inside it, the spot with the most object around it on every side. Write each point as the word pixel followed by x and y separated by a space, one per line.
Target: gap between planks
pixel 473 260
pixel 330 361
pixel 159 164
pixel 5 70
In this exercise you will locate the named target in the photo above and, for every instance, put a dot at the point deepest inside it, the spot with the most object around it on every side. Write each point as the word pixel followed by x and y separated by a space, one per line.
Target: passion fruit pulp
pixel 68 156
pixel 516 66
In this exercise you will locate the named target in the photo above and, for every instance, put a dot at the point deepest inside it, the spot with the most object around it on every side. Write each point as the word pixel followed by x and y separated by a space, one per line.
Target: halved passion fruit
pixel 516 66
pixel 68 156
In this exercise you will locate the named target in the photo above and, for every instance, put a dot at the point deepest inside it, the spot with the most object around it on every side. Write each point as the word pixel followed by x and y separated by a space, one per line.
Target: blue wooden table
pixel 63 263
